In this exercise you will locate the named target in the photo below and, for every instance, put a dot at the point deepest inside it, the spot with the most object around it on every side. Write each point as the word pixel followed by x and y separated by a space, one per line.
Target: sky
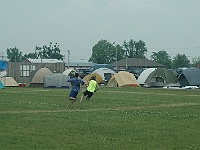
pixel 77 25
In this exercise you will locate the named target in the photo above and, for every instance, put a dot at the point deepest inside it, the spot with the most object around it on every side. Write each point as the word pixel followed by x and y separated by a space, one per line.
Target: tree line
pixel 105 52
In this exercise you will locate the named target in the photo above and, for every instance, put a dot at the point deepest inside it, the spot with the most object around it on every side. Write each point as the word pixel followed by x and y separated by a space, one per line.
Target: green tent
pixel 161 77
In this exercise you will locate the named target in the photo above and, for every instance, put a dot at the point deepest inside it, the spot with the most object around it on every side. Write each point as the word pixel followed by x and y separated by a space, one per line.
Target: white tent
pixel 105 73
pixel 8 81
pixel 143 76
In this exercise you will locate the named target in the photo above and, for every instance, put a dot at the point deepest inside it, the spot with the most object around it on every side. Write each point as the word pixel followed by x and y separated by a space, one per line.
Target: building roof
pixel 43 61
pixel 80 64
pixel 137 62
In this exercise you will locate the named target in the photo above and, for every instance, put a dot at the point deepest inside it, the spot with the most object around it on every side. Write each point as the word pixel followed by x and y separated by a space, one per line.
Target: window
pixel 26 69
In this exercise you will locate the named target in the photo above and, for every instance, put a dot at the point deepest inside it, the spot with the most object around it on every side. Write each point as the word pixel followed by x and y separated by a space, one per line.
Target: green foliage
pixel 14 55
pixel 162 57
pixel 104 52
pixel 195 61
pixel 180 61
pixel 49 52
pixel 114 118
pixel 135 49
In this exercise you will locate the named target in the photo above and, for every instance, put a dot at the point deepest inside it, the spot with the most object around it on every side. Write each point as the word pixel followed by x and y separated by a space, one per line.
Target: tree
pixel 195 61
pixel 104 52
pixel 162 57
pixel 135 49
pixel 48 52
pixel 180 61
pixel 14 55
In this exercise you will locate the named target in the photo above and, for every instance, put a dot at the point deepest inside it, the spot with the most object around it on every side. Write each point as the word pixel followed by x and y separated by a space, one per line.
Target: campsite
pixel 115 118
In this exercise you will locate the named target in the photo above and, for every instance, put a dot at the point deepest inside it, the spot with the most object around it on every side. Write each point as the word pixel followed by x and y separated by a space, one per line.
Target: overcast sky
pixel 77 25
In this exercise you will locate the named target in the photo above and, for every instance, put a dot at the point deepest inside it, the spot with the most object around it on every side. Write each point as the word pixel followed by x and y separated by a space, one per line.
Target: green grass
pixel 114 118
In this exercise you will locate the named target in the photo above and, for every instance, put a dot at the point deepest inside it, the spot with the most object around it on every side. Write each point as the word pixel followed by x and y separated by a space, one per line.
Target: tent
pixel 2 68
pixel 161 77
pixel 1 85
pixel 69 72
pixel 56 80
pixel 190 77
pixel 123 78
pixel 105 73
pixel 37 80
pixel 143 76
pixel 8 81
pixel 99 79
pixel 2 65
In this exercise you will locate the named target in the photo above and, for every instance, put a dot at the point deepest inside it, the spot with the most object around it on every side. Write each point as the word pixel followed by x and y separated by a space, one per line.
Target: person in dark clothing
pixel 75 82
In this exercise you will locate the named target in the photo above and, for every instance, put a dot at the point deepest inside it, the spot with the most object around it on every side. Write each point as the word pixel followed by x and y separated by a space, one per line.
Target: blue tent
pixel 2 65
pixel 1 85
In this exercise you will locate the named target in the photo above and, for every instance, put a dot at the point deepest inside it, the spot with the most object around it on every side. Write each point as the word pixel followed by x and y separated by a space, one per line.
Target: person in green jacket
pixel 91 88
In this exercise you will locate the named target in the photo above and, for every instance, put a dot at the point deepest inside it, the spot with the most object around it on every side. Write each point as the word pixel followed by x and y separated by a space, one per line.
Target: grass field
pixel 115 118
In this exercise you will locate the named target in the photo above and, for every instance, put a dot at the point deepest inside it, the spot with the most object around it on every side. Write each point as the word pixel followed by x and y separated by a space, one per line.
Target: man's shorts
pixel 88 93
pixel 73 94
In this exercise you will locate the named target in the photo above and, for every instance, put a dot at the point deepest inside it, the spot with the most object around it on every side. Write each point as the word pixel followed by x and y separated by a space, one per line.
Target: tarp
pixel 143 76
pixel 190 77
pixel 161 77
pixel 123 78
pixel 1 85
pixel 8 81
pixel 99 79
pixel 2 65
pixel 105 73
pixel 57 80
pixel 37 80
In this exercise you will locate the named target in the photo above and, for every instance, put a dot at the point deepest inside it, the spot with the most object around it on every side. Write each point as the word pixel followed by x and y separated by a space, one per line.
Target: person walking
pixel 75 82
pixel 91 88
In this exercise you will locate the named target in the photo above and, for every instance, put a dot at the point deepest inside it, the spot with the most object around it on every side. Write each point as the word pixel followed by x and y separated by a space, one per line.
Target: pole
pixel 68 57
pixel 146 61
pixel 116 59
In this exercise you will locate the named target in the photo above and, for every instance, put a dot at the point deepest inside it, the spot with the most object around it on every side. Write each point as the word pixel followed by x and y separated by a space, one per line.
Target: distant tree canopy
pixel 162 57
pixel 106 52
pixel 135 49
pixel 45 52
pixel 48 52
pixel 14 55
pixel 195 61
pixel 180 61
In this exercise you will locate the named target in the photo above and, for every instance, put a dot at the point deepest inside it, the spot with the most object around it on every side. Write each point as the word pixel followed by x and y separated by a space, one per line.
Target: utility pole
pixel 2 56
pixel 116 59
pixel 68 51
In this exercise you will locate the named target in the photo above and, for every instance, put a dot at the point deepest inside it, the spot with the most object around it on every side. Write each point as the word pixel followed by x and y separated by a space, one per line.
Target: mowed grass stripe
pixel 98 109
pixel 103 91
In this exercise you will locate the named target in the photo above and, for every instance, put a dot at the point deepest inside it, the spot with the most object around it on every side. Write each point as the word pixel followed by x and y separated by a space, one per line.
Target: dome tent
pixel 143 76
pixel 190 77
pixel 37 80
pixel 87 78
pixel 56 80
pixel 161 77
pixel 9 82
pixel 1 85
pixel 123 78
pixel 69 72
pixel 105 73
